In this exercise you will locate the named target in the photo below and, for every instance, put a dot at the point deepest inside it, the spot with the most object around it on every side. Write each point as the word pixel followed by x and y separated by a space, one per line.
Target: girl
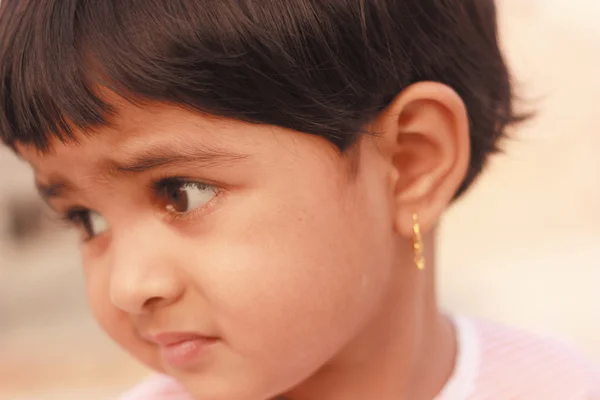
pixel 258 183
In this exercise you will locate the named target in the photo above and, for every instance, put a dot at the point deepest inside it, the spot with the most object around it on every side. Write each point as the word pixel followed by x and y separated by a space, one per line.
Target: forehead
pixel 130 127
pixel 137 130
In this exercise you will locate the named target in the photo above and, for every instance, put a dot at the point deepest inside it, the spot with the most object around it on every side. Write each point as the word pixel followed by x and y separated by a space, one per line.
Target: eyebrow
pixel 144 161
pixel 157 157
pixel 54 189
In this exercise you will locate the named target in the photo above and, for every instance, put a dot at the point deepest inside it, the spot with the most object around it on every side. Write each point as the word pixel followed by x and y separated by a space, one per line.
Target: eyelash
pixel 159 184
pixel 72 215
pixel 75 216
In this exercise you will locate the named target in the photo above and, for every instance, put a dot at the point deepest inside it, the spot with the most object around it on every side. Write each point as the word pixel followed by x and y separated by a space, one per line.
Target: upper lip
pixel 166 339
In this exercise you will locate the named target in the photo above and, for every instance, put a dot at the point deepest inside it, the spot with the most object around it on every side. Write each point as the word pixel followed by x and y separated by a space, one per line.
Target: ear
pixel 424 141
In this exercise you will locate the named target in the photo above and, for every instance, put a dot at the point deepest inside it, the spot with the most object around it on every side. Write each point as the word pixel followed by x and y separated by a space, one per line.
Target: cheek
pixel 295 285
pixel 113 321
pixel 97 289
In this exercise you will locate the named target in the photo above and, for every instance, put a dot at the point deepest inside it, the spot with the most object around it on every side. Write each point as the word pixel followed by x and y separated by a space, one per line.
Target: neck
pixel 406 352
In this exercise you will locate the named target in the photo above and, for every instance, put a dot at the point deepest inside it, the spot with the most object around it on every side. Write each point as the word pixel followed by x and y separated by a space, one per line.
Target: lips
pixel 181 350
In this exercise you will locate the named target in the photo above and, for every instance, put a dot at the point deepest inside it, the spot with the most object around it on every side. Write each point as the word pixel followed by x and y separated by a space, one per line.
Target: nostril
pixel 153 302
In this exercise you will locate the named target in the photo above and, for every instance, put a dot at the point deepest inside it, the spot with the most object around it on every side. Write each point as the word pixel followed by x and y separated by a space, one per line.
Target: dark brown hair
pixel 323 67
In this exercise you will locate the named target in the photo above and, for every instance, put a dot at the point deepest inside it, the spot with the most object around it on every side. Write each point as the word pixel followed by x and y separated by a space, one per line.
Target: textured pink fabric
pixel 513 365
pixel 494 363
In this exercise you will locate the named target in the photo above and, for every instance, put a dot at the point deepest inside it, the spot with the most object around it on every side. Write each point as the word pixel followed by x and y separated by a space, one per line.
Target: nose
pixel 143 275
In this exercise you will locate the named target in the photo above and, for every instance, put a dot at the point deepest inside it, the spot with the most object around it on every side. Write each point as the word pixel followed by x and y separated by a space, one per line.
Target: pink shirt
pixel 494 363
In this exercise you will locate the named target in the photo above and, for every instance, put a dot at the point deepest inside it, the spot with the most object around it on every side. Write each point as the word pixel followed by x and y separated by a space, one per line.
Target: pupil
pixel 87 224
pixel 179 198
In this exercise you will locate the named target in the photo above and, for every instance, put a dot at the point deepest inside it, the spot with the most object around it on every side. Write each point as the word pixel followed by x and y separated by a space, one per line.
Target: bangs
pixel 321 67
pixel 45 91
pixel 229 58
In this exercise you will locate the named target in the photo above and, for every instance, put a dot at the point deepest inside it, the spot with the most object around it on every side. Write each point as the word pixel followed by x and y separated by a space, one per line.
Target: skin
pixel 299 264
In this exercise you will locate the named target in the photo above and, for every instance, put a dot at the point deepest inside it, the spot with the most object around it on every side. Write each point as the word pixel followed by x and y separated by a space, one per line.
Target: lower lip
pixel 185 354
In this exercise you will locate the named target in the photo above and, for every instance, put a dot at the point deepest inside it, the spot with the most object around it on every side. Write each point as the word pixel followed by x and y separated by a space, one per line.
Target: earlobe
pixel 425 142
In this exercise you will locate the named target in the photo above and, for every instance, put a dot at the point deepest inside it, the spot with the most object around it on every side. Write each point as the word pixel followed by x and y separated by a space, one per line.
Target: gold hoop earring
pixel 418 244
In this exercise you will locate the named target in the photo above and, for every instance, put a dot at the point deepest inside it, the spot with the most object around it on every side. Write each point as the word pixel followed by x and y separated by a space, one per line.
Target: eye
pixel 179 196
pixel 90 223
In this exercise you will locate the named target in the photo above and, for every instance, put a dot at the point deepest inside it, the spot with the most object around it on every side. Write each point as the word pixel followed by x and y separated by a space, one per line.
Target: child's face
pixel 265 247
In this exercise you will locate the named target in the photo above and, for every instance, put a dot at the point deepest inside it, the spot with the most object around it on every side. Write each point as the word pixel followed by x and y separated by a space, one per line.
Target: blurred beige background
pixel 523 247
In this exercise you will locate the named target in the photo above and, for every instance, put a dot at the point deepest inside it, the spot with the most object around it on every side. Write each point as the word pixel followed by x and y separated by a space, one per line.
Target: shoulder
pixel 159 387
pixel 521 365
